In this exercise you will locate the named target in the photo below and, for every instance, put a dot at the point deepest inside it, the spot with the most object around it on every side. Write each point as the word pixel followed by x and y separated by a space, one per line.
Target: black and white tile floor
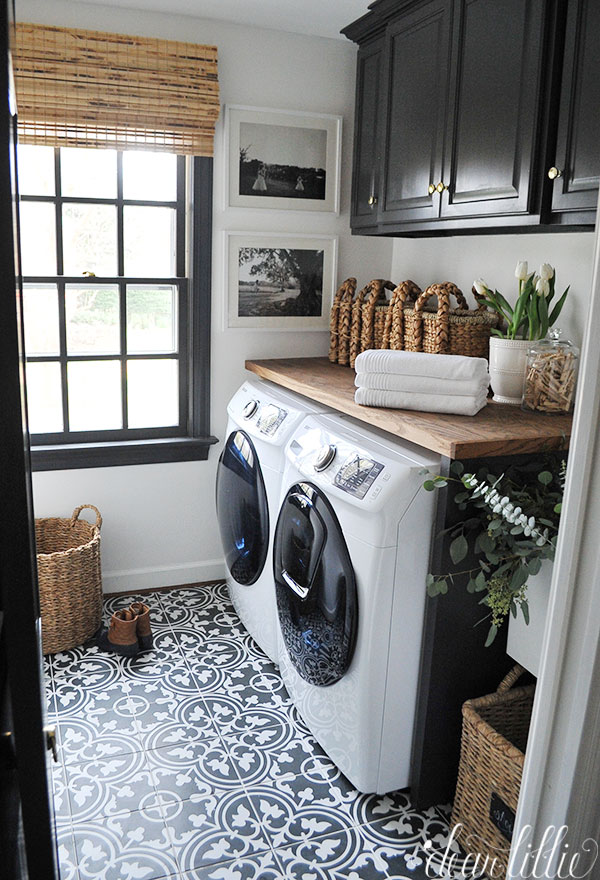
pixel 189 762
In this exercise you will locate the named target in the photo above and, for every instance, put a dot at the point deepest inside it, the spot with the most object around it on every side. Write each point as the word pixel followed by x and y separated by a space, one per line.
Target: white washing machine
pixel 262 417
pixel 351 555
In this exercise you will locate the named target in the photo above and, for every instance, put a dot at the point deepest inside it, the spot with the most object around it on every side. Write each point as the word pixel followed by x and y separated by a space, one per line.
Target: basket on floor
pixel 70 579
pixel 340 323
pixel 494 738
pixel 445 330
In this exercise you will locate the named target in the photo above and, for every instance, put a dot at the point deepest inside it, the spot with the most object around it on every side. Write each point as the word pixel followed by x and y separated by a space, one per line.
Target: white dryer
pixel 261 419
pixel 351 554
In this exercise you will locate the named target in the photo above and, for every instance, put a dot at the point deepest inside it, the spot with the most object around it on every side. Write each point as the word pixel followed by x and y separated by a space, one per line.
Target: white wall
pixel 159 523
pixel 463 258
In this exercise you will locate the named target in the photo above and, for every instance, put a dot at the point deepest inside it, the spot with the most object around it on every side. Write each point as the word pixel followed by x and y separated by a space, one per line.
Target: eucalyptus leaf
pixel 457 467
pixel 459 549
pixel 471 586
pixel 480 582
pixel 545 478
pixel 493 632
pixel 534 565
pixel 429 485
pixel 525 610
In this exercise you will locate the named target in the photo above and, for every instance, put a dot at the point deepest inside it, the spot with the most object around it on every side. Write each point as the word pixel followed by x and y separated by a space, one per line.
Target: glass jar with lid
pixel 550 375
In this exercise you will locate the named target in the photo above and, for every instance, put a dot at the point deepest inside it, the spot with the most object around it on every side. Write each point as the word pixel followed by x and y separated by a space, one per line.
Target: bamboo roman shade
pixel 91 89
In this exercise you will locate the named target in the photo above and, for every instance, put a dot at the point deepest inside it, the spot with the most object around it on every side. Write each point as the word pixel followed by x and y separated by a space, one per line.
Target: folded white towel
pixel 442 403
pixel 425 384
pixel 415 363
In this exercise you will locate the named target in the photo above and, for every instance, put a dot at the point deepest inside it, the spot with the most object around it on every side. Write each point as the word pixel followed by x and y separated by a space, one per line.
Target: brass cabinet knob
pixel 431 189
pixel 441 187
pixel 554 172
pixel 372 200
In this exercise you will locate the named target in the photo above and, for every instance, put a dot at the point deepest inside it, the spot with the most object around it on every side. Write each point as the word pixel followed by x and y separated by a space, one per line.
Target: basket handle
pixel 481 306
pixel 77 511
pixel 376 289
pixel 442 292
pixel 510 678
pixel 345 291
pixel 394 320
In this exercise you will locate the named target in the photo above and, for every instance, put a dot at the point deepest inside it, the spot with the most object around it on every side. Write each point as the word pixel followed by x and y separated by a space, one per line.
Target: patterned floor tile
pixel 133 845
pixel 67 856
pixel 341 856
pixel 261 867
pixel 276 753
pixel 62 807
pixel 110 786
pixel 208 830
pixel 164 717
pixel 199 767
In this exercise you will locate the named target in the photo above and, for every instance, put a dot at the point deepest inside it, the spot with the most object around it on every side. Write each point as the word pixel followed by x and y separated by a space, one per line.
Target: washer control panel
pixel 270 418
pixel 357 475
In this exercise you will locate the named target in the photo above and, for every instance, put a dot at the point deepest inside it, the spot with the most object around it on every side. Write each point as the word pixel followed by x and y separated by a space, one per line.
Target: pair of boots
pixel 128 632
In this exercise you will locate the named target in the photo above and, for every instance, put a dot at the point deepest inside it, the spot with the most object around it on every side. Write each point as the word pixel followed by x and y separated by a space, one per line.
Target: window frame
pixel 191 440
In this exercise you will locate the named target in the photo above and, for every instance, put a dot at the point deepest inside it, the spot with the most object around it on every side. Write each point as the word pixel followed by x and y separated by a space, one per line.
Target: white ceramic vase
pixel 508 363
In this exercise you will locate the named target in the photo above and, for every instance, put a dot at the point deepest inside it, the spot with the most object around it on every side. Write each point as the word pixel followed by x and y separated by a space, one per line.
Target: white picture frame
pixel 282 160
pixel 267 273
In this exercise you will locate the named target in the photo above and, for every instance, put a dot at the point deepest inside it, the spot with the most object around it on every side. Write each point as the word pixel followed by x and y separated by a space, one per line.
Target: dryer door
pixel 315 585
pixel 242 509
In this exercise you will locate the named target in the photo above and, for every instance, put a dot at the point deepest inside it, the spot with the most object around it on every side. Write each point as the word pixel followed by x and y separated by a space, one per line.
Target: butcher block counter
pixel 496 430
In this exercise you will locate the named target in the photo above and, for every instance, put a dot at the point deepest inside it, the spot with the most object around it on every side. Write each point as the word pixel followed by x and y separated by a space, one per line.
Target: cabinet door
pixel 367 135
pixel 578 141
pixel 495 90
pixel 417 51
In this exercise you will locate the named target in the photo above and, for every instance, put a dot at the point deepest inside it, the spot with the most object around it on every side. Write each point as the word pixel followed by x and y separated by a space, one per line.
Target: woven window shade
pixel 90 89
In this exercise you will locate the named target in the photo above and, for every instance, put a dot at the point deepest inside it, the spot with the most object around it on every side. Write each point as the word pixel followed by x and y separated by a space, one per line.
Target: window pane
pixel 151 320
pixel 44 398
pixel 94 395
pixel 35 170
pixel 92 319
pixel 40 316
pixel 152 395
pixel 91 173
pixel 149 241
pixel 38 238
pixel 90 239
pixel 149 176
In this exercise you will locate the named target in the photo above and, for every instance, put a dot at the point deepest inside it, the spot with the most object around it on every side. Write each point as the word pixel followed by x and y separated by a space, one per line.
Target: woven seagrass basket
pixel 70 579
pixel 341 322
pixel 444 330
pixel 494 738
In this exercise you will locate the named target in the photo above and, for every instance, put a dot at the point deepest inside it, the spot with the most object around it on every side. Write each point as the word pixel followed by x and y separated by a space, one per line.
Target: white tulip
pixel 542 287
pixel 521 272
pixel 546 272
pixel 480 286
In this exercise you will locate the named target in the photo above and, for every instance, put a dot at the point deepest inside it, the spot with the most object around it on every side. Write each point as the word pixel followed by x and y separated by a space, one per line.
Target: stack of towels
pixel 444 383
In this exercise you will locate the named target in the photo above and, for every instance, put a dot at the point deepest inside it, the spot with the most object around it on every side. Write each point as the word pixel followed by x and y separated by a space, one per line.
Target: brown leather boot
pixel 144 632
pixel 121 635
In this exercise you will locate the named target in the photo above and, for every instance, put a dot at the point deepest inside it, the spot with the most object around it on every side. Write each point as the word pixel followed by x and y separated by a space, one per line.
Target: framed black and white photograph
pixel 283 160
pixel 282 282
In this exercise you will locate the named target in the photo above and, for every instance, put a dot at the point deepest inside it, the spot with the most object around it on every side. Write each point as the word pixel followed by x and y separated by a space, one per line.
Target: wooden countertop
pixel 495 430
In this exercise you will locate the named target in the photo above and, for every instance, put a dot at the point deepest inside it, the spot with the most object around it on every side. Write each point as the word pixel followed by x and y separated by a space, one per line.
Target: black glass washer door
pixel 242 509
pixel 315 585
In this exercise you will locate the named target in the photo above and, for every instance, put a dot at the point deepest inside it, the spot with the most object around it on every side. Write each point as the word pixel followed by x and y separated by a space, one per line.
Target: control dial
pixel 324 458
pixel 250 409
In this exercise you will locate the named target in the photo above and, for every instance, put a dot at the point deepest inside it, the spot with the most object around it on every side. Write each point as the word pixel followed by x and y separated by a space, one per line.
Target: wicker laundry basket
pixel 494 738
pixel 340 323
pixel 70 579
pixel 446 330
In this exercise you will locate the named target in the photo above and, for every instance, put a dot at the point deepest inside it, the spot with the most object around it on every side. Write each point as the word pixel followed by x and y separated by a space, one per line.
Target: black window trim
pixel 194 445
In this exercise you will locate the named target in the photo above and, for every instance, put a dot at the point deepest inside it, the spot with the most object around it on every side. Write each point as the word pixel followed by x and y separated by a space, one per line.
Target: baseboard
pixel 173 575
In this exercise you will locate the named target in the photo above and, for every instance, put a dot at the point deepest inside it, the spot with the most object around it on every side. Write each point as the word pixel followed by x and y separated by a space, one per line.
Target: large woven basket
pixel 445 330
pixel 340 323
pixel 494 738
pixel 70 579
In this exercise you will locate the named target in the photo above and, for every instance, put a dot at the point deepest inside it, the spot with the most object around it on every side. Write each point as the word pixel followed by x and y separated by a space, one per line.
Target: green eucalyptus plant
pixel 510 526
pixel 531 316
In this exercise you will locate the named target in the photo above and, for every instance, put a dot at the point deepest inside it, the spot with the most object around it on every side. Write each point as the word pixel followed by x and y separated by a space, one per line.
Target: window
pixel 111 316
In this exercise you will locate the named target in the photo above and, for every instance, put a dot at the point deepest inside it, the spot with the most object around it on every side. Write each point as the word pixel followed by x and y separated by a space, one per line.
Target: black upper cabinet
pixel 492 118
pixel 576 171
pixel 415 90
pixel 367 150
pixel 465 125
